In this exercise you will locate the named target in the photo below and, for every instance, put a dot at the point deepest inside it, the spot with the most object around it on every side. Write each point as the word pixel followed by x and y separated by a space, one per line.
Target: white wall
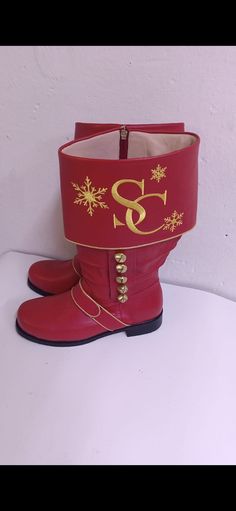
pixel 44 90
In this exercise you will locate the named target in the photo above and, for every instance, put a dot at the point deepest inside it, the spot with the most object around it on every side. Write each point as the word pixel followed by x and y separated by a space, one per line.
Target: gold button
pixel 122 298
pixel 122 289
pixel 121 268
pixel 120 258
pixel 121 279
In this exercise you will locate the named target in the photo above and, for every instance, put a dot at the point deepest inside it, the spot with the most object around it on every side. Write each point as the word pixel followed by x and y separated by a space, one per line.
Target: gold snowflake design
pixel 173 221
pixel 158 173
pixel 89 196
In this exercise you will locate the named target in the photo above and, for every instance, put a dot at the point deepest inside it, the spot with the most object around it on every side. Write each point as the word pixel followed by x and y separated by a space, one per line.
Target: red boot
pixel 49 277
pixel 125 215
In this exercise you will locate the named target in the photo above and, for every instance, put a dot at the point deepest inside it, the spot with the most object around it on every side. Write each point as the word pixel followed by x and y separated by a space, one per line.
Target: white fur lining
pixel 140 145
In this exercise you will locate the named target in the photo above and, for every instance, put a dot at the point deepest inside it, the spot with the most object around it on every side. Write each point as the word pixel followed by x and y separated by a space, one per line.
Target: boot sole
pixel 139 329
pixel 37 289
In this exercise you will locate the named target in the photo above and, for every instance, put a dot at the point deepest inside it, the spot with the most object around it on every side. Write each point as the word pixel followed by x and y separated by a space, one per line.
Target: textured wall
pixel 44 90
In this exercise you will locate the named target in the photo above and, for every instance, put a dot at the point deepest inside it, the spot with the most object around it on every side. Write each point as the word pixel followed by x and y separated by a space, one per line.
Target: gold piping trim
pixel 92 300
pixel 127 248
pixel 91 317
pixel 101 307
pixel 81 308
pixel 74 268
pixel 105 327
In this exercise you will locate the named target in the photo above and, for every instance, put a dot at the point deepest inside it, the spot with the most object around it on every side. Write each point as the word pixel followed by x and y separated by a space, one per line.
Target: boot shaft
pixel 108 275
pixel 146 198
pixel 126 283
pixel 85 129
pixel 134 206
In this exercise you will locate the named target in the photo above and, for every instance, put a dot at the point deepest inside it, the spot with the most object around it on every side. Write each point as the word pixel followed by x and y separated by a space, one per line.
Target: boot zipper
pixel 123 142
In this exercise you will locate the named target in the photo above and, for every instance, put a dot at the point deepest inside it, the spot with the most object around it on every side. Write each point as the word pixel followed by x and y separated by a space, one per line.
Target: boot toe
pixel 30 318
pixel 54 319
pixel 52 277
pixel 41 274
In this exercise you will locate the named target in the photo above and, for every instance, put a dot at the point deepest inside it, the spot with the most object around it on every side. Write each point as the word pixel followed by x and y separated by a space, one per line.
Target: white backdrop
pixel 44 90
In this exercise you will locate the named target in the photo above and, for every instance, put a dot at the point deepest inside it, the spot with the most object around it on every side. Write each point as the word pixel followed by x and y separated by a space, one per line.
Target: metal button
pixel 121 279
pixel 122 298
pixel 122 289
pixel 120 258
pixel 121 268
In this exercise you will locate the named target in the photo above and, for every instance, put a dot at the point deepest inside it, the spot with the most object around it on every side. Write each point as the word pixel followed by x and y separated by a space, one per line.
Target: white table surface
pixel 168 397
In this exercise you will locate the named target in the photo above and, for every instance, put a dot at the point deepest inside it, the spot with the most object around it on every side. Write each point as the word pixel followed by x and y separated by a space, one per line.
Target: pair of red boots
pixel 128 194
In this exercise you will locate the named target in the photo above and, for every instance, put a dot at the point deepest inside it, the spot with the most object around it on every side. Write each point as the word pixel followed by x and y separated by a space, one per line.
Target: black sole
pixel 38 290
pixel 139 329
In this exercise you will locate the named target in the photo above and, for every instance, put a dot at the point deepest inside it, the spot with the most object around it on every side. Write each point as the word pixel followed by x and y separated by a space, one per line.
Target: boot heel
pixel 144 328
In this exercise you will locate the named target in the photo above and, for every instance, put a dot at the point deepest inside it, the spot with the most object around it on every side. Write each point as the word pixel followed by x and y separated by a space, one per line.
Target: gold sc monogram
pixel 134 205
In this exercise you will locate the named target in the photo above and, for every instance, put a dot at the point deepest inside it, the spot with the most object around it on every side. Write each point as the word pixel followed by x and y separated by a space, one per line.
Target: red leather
pixel 136 190
pixel 55 276
pixel 58 318
pixel 92 307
